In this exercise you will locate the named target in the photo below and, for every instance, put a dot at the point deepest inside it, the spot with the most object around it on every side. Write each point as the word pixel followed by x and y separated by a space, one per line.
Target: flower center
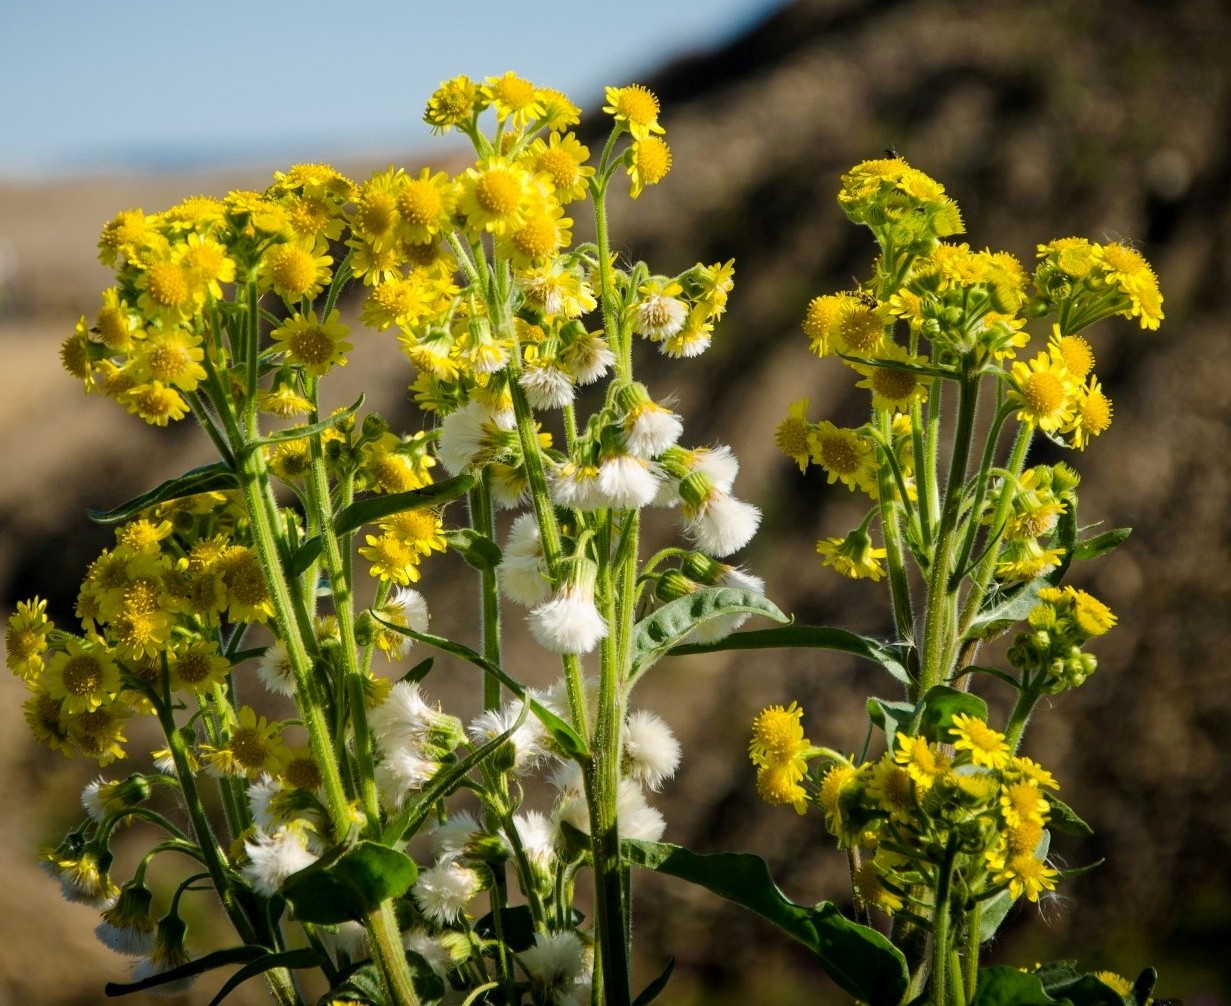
pixel 792 437
pixel 860 330
pixel 167 284
pixel 311 345
pixel 249 748
pixel 536 239
pixel 1044 393
pixel 893 385
pixel 561 168
pixel 293 271
pixel 192 668
pixel 83 675
pixel 498 192
pixel 839 456
pixel 376 213
pixel 653 159
pixel 420 202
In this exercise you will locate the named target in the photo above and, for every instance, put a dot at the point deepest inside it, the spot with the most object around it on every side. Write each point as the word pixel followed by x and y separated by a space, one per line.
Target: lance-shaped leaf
pixel 374 508
pixel 808 637
pixel 569 740
pixel 659 631
pixel 655 988
pixel 215 477
pixel 1064 818
pixel 347 887
pixel 305 555
pixel 859 959
pixel 1101 544
pixel 305 957
pixel 890 715
pixel 218 959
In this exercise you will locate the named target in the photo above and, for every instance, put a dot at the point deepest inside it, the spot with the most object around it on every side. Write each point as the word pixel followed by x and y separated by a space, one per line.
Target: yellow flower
pixel 425 205
pixel 894 389
pixel 860 328
pixel 649 160
pixel 254 748
pixel 420 529
pixel 1021 803
pixel 1091 414
pixel 636 108
pixel 247 595
pixel 452 104
pixel 778 786
pixel 116 324
pixel 208 264
pixel 392 559
pixel 892 787
pixel 922 761
pixel 170 355
pixel 376 218
pixel 558 111
pixel 315 345
pixel 169 291
pixel 871 890
pixel 198 667
pixel 563 160
pixel 1026 875
pixel 495 195
pixel 83 675
pixel 1125 269
pixel 514 99
pixel 25 638
pixel 42 714
pixel 778 738
pixel 294 271
pixel 154 402
pixel 846 456
pixel 1045 391
pixel 986 746
pixel 1035 772
pixel 1077 353
pixel 1026 560
pixel 543 233
pixel 791 437
pixel 821 321
pixel 126 235
pixel 853 556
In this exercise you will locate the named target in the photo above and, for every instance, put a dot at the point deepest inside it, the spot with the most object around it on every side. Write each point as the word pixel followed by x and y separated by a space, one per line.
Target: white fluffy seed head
pixel 462 436
pixel 443 891
pixel 522 573
pixel 722 524
pixel 577 487
pixel 626 482
pixel 719 464
pixel 275 671
pixel 569 622
pixel 528 739
pixel 651 752
pixel 658 317
pixel 589 358
pixel 273 858
pixel 651 429
pixel 547 387
pixel 403 771
pixel 556 963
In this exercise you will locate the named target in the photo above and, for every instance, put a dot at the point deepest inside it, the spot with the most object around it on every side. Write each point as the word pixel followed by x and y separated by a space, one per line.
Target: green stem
pixel 387 948
pixel 482 519
pixel 941 926
pixel 972 950
pixel 891 531
pixel 938 627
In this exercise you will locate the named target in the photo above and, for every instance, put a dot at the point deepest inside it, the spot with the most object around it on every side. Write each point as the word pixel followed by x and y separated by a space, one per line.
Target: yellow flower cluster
pixel 160 335
pixel 780 752
pixel 1050 654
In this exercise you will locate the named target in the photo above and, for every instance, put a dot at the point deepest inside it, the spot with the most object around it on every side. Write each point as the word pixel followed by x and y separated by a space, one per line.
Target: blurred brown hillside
pixel 1091 117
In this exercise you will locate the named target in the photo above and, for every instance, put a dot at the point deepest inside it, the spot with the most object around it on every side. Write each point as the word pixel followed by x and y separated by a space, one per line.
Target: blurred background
pixel 1090 117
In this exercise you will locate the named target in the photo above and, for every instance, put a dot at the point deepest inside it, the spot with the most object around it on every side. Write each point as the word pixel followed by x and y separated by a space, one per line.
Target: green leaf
pixel 477 549
pixel 1066 538
pixel 565 736
pixel 1143 987
pixel 218 959
pixel 1089 991
pixel 305 555
pixel 1076 871
pixel 889 715
pixel 419 671
pixel 1005 986
pixel 819 637
pixel 345 888
pixel 662 629
pixel 654 989
pixel 516 923
pixel 299 432
pixel 305 957
pixel 1055 975
pixel 365 985
pixel 857 958
pixel 941 704
pixel 1005 613
pixel 206 479
pixel 1064 819
pixel 1101 544
pixel 372 509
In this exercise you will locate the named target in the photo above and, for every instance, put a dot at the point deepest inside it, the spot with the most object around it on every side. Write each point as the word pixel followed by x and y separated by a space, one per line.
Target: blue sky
pixel 100 85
